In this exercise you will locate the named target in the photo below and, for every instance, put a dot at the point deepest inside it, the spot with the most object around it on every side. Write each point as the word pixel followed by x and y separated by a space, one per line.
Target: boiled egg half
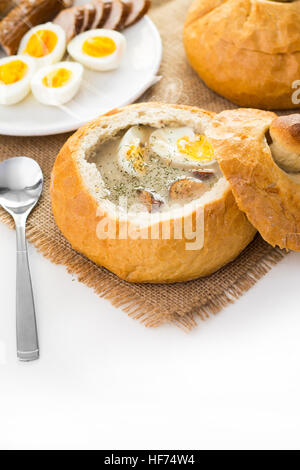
pixel 45 43
pixel 98 49
pixel 132 155
pixel 57 84
pixel 16 73
pixel 182 147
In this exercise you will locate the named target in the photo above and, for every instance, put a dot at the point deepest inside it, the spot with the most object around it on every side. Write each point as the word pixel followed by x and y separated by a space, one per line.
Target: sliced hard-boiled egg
pixel 56 84
pixel 45 43
pixel 98 49
pixel 132 153
pixel 16 73
pixel 182 147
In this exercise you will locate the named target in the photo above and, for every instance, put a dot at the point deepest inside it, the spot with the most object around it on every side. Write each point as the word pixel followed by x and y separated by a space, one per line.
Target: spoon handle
pixel 27 337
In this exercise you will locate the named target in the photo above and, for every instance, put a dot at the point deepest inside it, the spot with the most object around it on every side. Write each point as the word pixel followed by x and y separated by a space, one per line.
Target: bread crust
pixel 246 50
pixel 227 229
pixel 285 146
pixel 267 194
pixel 286 130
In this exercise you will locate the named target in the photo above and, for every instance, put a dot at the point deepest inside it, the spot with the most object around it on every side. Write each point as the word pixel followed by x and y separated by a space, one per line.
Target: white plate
pixel 100 92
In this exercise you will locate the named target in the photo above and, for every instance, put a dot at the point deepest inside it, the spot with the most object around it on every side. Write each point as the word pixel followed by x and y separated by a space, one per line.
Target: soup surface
pixel 152 169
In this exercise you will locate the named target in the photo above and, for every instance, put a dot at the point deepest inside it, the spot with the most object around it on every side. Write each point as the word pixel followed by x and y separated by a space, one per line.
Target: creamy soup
pixel 156 168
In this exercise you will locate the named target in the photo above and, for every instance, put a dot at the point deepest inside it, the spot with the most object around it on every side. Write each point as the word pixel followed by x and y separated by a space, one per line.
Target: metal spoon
pixel 21 184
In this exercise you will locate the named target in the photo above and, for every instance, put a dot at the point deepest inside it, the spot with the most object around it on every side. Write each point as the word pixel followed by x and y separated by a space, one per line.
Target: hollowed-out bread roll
pixel 80 202
pixel 247 50
pixel 269 195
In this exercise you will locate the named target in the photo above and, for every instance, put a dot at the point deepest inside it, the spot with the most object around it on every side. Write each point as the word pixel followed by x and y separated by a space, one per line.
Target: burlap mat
pixel 181 303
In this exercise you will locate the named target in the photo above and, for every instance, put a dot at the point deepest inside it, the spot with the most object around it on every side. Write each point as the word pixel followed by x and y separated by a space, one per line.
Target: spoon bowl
pixel 21 185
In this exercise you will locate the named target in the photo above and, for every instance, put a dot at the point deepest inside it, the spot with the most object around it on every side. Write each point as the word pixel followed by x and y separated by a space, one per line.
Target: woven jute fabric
pixel 183 303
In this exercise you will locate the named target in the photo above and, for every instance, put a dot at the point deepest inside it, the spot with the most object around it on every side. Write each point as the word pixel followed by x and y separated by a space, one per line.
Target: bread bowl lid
pixel 263 191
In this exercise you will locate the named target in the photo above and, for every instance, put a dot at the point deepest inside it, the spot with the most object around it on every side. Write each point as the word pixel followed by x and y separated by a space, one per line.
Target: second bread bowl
pixel 247 50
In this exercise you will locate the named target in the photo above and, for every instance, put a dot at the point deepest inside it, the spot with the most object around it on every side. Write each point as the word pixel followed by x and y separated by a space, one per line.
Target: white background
pixel 104 381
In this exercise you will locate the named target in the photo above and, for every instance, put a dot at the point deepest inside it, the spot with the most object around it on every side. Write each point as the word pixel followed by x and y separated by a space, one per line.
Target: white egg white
pixel 16 92
pixel 60 95
pixel 164 143
pixel 110 62
pixel 59 50
pixel 131 157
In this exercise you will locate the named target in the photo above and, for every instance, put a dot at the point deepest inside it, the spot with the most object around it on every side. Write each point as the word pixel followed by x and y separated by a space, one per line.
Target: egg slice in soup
pixel 46 44
pixel 98 49
pixel 16 73
pixel 182 147
pixel 132 152
pixel 57 84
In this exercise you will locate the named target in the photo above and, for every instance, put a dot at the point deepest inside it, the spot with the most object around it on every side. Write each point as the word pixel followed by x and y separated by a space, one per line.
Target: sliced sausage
pixel 88 17
pixel 22 18
pixel 203 174
pixel 138 9
pixel 187 189
pixel 117 17
pixel 71 21
pixel 66 19
pixel 79 18
pixel 92 14
pixel 127 11
pixel 99 14
pixel 106 12
pixel 149 200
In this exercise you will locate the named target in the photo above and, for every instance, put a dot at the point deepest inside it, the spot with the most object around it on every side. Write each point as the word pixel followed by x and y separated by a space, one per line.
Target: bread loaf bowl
pixel 247 50
pixel 114 151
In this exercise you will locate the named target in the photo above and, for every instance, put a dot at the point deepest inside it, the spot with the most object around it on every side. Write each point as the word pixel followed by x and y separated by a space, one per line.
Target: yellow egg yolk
pixel 99 46
pixel 12 72
pixel 136 158
pixel 57 78
pixel 41 43
pixel 200 149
